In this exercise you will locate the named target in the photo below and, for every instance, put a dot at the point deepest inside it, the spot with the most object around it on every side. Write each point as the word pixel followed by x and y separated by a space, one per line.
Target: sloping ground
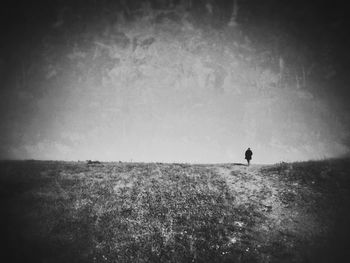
pixel 294 217
pixel 134 212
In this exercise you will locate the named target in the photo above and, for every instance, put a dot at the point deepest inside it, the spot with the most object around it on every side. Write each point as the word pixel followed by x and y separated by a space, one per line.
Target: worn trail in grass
pixel 276 200
pixel 135 212
pixel 283 222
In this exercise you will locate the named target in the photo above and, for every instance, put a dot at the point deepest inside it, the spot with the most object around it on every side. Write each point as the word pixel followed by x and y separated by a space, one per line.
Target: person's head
pixel 248 148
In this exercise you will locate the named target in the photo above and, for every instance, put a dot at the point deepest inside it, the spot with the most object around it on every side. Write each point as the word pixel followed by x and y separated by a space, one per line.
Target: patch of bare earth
pixel 282 218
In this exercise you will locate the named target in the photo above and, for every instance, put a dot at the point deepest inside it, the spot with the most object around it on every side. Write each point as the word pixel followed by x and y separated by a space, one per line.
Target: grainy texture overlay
pixel 154 212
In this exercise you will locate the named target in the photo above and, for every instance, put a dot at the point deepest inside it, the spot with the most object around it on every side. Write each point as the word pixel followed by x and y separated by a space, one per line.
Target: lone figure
pixel 248 155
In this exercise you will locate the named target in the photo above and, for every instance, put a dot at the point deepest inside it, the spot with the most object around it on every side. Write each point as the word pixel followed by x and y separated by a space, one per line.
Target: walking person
pixel 248 155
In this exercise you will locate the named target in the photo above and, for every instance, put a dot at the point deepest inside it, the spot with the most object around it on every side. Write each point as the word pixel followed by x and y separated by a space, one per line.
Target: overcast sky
pixel 174 83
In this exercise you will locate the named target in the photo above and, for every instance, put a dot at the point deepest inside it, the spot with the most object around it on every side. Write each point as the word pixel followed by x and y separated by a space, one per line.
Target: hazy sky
pixel 172 83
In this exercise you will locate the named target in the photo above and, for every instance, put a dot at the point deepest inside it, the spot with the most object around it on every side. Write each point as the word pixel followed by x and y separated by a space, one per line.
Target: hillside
pixel 157 212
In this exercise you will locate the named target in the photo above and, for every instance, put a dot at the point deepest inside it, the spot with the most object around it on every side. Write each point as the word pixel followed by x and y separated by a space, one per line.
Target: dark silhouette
pixel 248 155
pixel 92 162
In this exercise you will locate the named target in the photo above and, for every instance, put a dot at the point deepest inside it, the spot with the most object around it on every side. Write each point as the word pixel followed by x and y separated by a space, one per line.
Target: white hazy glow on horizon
pixel 165 103
pixel 184 127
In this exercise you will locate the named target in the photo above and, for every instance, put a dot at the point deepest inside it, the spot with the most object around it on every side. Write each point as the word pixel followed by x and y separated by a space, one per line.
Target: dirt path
pixel 282 211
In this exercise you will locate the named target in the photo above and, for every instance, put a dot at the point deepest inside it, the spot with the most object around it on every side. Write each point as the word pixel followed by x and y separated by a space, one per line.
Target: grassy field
pixel 139 212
